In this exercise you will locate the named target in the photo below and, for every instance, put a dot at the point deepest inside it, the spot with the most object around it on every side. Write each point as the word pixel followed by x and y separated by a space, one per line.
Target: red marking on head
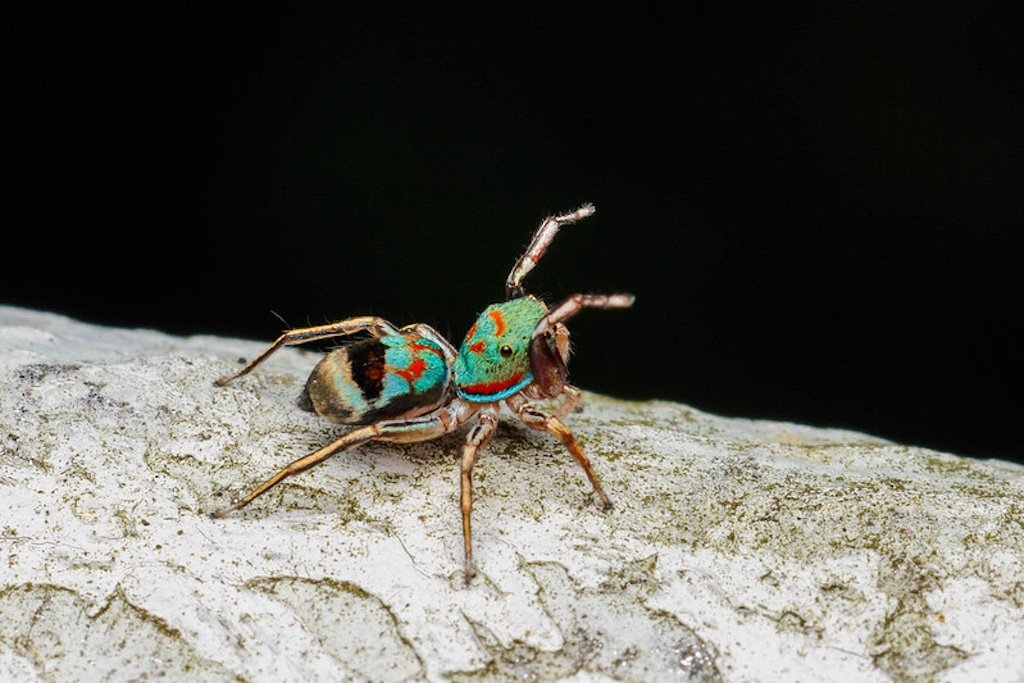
pixel 499 323
pixel 477 347
pixel 413 372
pixel 471 333
pixel 491 387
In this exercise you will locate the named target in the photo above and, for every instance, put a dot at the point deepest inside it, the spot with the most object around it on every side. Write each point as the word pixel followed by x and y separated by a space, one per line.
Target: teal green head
pixel 493 362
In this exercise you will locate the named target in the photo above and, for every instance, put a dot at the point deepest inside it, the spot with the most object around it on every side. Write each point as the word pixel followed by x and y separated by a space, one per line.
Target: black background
pixel 818 206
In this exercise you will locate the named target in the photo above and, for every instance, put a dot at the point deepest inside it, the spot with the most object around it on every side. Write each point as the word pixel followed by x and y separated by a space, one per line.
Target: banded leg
pixel 541 421
pixel 538 245
pixel 476 441
pixel 402 431
pixel 576 303
pixel 303 335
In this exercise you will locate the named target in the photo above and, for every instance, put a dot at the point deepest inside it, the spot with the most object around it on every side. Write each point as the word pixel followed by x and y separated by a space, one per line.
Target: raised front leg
pixel 378 327
pixel 422 428
pixel 576 303
pixel 538 245
pixel 476 441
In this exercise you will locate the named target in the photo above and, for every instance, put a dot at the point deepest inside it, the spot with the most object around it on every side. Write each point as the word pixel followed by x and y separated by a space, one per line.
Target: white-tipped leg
pixel 476 441
pixel 538 245
pixel 576 303
pixel 303 335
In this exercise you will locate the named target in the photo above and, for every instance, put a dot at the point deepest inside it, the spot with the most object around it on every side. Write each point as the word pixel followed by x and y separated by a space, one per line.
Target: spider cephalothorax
pixel 494 360
pixel 410 384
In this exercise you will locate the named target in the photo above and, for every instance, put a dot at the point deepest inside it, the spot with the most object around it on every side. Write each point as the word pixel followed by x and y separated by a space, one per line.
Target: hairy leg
pixel 537 419
pixel 423 428
pixel 476 441
pixel 538 245
pixel 303 335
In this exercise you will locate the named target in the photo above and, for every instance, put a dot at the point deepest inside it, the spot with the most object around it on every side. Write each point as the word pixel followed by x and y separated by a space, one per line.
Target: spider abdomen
pixel 377 379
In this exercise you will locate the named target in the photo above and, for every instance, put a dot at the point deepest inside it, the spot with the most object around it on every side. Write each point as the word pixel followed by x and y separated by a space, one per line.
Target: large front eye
pixel 505 351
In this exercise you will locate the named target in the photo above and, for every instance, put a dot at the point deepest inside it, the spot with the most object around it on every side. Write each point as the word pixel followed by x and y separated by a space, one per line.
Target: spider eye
pixel 505 351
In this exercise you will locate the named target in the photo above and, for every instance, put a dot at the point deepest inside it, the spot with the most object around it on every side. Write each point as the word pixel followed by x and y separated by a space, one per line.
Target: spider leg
pixel 422 428
pixel 570 401
pixel 476 441
pixel 576 303
pixel 378 327
pixel 539 420
pixel 538 245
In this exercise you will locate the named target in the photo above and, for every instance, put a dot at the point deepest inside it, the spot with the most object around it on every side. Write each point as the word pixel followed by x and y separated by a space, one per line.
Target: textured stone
pixel 738 550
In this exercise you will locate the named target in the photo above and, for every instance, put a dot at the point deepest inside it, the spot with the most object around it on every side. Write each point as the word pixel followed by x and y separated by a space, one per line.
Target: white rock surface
pixel 739 550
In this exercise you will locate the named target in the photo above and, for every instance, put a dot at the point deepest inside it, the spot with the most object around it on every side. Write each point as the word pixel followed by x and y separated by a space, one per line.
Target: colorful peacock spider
pixel 410 384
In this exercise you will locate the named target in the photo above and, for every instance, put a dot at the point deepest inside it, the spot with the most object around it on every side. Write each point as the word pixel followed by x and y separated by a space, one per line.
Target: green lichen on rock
pixel 67 638
pixel 350 624
pixel 606 631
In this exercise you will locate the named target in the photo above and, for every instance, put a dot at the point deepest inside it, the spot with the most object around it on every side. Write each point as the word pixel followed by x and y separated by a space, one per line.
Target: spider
pixel 410 384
